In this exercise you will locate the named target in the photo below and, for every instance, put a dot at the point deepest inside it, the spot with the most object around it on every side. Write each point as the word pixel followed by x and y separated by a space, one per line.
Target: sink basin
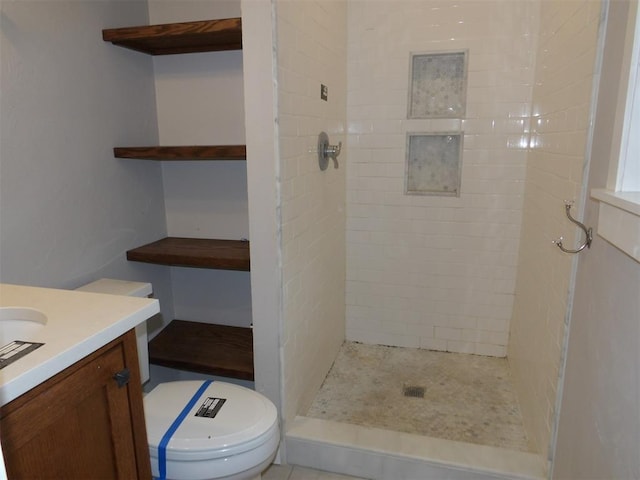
pixel 20 323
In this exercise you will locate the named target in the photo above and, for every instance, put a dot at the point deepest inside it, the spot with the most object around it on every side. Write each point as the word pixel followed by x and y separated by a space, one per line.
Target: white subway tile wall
pixel 427 271
pixel 311 40
pixel 561 112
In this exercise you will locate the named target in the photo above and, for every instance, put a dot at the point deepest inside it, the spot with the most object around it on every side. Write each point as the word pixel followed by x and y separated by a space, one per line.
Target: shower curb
pixel 379 454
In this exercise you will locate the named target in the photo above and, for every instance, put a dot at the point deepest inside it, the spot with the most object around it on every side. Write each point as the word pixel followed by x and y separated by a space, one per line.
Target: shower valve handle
pixel 327 151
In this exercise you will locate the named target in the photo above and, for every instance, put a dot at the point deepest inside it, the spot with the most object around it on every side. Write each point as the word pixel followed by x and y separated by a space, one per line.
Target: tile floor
pixel 460 397
pixel 286 472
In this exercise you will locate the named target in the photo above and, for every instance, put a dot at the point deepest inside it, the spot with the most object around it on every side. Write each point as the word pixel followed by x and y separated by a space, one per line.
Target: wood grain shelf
pixel 198 347
pixel 194 252
pixel 190 152
pixel 204 348
pixel 173 38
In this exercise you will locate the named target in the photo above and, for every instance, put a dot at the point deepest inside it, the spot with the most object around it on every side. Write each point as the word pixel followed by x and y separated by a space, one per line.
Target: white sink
pixel 69 324
pixel 20 323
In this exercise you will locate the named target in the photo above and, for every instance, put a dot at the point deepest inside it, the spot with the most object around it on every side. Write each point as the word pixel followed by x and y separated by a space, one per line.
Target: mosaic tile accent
pixel 438 85
pixel 467 398
pixel 433 163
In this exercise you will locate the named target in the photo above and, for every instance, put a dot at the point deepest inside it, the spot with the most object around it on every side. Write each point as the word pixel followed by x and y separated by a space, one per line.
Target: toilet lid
pixel 225 420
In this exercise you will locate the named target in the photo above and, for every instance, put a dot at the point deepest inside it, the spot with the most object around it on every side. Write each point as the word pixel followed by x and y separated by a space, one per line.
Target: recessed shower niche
pixel 437 91
pixel 434 163
pixel 437 85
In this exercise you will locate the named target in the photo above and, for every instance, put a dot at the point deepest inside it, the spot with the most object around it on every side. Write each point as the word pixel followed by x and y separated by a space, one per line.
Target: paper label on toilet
pixel 210 407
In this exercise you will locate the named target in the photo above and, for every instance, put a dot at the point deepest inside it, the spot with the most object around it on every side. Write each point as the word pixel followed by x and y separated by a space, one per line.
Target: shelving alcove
pixel 194 346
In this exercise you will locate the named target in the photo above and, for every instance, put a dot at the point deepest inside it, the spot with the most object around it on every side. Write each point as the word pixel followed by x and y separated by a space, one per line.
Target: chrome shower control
pixel 327 151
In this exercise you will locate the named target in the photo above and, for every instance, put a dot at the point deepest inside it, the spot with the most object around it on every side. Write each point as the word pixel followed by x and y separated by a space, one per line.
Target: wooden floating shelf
pixel 185 37
pixel 204 348
pixel 194 252
pixel 192 152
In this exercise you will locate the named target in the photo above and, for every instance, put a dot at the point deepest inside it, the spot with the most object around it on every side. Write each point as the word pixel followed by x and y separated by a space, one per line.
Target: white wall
pixel 200 101
pixel 68 209
pixel 561 106
pixel 311 50
pixel 261 122
pixel 431 271
pixel 599 428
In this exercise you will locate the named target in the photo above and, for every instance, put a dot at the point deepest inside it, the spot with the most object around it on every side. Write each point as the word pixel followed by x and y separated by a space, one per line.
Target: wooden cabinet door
pixel 80 424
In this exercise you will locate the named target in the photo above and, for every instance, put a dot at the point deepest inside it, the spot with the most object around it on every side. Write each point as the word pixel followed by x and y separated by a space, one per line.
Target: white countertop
pixel 78 323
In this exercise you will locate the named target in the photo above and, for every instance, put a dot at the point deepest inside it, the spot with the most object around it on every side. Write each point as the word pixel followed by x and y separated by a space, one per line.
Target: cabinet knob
pixel 122 377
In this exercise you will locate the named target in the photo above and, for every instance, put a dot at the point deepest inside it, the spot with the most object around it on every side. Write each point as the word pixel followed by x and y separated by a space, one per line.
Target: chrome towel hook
pixel 588 231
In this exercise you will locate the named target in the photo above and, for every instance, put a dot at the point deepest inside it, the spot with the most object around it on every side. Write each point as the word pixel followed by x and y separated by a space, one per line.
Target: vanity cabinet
pixel 82 423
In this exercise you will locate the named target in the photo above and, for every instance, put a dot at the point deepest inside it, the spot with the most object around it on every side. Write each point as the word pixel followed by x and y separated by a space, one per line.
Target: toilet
pixel 226 429
pixel 201 430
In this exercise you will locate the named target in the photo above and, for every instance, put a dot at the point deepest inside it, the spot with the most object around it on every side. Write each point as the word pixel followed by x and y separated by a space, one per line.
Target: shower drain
pixel 413 391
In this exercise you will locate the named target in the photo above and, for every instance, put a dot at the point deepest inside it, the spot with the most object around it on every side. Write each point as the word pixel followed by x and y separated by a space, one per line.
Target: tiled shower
pixel 473 272
pixel 437 271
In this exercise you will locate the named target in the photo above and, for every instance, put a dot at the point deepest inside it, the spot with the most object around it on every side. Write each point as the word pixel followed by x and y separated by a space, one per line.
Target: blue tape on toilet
pixel 162 446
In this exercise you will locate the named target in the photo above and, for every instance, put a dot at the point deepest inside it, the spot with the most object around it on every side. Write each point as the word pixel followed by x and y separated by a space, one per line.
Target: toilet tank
pixel 130 289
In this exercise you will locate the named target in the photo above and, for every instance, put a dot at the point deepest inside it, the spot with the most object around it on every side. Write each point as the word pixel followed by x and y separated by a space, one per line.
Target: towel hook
pixel 588 231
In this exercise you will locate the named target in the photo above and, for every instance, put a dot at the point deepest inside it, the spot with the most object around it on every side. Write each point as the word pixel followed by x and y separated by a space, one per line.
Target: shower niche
pixel 433 163
pixel 437 92
pixel 437 85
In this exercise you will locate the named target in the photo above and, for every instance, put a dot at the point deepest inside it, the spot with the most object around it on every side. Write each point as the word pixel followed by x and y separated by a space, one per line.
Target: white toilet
pixel 201 430
pixel 228 432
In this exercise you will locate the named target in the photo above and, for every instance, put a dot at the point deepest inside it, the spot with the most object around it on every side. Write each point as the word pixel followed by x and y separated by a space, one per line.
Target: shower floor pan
pixel 392 413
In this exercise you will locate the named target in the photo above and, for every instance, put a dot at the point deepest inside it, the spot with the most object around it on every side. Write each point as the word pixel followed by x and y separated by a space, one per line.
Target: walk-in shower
pixel 396 250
